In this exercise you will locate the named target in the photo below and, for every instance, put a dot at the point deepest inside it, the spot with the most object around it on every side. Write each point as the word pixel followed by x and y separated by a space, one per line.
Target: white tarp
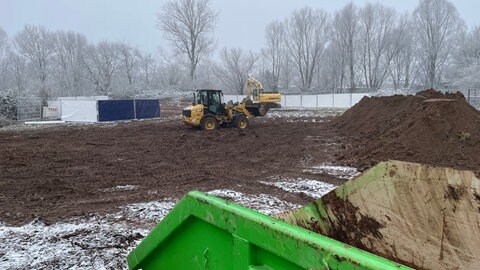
pixel 79 110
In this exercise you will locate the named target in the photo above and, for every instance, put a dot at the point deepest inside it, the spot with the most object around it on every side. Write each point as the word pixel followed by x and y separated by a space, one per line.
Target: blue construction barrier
pixel 147 108
pixel 112 110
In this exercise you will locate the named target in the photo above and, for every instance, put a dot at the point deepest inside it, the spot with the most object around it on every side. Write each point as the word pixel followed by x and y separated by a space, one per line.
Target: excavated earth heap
pixel 430 127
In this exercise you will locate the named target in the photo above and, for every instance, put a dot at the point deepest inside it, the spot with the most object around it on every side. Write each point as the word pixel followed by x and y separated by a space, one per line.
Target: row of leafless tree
pixel 369 47
pixel 372 46
pixel 37 61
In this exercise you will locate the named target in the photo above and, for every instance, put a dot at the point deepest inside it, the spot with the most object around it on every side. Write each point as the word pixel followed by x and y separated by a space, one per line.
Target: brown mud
pixel 59 172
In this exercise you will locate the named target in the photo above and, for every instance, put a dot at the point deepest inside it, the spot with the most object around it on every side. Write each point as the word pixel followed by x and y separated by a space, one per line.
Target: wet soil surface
pixel 60 172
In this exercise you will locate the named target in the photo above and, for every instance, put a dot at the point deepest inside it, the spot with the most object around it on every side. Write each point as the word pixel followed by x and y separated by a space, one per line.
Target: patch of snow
pixel 302 113
pixel 343 172
pixel 264 203
pixel 304 120
pixel 119 188
pixel 151 211
pixel 312 188
pixel 94 242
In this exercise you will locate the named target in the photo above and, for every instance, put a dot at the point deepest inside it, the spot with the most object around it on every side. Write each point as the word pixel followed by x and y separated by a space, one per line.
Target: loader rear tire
pixel 241 122
pixel 209 123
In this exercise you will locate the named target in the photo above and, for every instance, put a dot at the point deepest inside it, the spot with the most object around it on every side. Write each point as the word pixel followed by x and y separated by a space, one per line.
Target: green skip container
pixel 206 232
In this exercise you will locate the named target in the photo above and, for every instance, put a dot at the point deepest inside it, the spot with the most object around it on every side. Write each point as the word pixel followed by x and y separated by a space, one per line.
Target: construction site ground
pixel 83 195
pixel 98 188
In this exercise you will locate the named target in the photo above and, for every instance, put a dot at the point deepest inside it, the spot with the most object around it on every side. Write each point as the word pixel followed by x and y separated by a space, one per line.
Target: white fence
pixel 79 108
pixel 312 101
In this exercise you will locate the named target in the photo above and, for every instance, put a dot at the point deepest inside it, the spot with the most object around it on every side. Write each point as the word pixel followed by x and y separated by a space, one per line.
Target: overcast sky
pixel 241 22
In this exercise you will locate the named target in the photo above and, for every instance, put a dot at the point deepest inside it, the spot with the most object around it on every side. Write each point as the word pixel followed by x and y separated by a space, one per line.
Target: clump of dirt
pixel 455 193
pixel 350 226
pixel 430 127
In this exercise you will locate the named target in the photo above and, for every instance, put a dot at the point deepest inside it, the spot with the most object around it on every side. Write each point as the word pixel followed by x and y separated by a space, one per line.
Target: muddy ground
pixel 65 171
pixel 83 195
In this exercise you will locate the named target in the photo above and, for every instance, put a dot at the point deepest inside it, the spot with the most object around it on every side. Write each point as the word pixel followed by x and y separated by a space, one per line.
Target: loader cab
pixel 212 100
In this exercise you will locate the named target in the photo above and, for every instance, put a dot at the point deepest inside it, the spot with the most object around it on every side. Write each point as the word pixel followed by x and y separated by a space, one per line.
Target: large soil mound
pixel 430 127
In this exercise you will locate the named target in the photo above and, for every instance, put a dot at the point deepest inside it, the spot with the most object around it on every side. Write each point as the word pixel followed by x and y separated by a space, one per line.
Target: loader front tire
pixel 209 123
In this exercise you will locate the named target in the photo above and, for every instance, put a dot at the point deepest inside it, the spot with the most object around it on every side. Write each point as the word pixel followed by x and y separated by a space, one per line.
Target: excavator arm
pixel 257 92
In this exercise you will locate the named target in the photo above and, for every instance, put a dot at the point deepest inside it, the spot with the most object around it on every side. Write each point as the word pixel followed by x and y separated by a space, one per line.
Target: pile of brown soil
pixel 430 127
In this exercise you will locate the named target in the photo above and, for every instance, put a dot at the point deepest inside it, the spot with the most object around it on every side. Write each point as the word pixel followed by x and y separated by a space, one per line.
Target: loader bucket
pixel 422 216
pixel 205 232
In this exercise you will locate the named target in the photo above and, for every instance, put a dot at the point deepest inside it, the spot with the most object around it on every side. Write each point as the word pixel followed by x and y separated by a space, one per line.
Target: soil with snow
pixel 66 171
pixel 82 196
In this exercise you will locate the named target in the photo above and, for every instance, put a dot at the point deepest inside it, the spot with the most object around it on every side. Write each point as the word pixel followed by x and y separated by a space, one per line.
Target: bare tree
pixel 345 39
pixel 101 62
pixel 128 57
pixel 19 70
pixel 234 68
pixel 69 53
pixel 376 39
pixel 189 25
pixel 274 52
pixel 333 68
pixel 403 63
pixel 466 66
pixel 36 44
pixel 307 35
pixel 4 51
pixel 438 26
pixel 148 69
pixel 170 70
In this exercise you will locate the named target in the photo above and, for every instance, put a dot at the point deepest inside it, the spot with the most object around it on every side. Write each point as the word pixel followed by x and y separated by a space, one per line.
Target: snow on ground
pixel 312 188
pixel 343 172
pixel 104 241
pixel 264 203
pixel 119 188
pixel 151 211
pixel 93 242
pixel 84 244
pixel 303 113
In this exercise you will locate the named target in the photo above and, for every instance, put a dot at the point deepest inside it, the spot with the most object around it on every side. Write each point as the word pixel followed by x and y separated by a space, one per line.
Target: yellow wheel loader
pixel 208 111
